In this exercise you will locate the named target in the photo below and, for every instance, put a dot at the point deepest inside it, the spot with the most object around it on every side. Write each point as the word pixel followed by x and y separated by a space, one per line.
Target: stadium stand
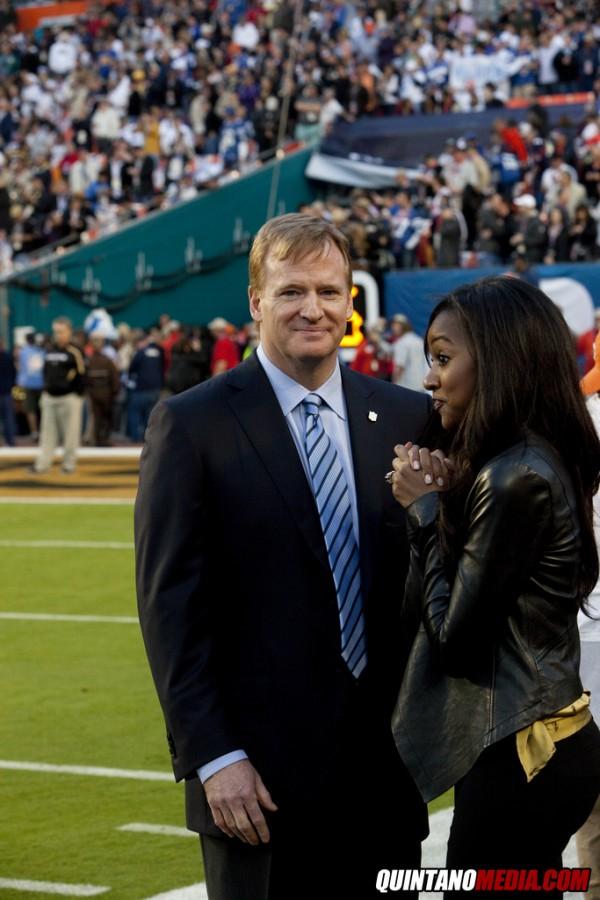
pixel 137 106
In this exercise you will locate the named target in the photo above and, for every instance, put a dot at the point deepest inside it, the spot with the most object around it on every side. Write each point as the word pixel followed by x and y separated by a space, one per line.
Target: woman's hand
pixel 418 471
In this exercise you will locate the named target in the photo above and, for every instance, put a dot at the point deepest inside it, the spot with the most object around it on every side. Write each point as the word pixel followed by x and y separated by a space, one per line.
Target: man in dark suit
pixel 271 559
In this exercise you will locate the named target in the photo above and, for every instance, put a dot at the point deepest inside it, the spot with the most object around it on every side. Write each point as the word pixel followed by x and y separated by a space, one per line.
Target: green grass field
pixel 80 694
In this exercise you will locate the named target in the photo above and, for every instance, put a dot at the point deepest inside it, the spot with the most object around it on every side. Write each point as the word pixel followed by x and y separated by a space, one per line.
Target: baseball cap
pixel 218 324
pixel 525 201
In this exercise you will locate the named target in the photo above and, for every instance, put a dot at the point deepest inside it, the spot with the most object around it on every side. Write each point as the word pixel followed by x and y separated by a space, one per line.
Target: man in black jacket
pixel 276 644
pixel 61 401
pixel 8 375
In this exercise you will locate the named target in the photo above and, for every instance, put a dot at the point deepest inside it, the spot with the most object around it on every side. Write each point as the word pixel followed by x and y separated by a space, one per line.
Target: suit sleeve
pixel 507 514
pixel 174 594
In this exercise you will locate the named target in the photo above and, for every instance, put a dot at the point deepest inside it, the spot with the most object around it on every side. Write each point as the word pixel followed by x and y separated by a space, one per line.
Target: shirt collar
pixel 290 394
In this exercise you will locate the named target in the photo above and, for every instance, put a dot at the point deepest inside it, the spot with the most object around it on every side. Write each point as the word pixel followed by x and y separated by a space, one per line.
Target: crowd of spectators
pixel 531 196
pixel 127 370
pixel 139 105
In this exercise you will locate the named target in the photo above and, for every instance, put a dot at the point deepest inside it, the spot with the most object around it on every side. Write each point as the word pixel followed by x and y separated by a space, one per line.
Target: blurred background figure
pixel 8 374
pixel 102 386
pixel 146 380
pixel 30 377
pixel 408 355
pixel 588 837
pixel 373 356
pixel 225 352
pixel 190 362
pixel 62 400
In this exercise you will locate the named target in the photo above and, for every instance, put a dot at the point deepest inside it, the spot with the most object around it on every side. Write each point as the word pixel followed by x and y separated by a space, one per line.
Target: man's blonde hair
pixel 295 236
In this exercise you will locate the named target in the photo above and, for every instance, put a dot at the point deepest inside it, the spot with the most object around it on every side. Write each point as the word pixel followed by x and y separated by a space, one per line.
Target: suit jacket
pixel 236 597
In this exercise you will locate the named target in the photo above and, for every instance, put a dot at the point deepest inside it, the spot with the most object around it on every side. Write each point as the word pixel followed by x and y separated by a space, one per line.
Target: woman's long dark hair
pixel 526 379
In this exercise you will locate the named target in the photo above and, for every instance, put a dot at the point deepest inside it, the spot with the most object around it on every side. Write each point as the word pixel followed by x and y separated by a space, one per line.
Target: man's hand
pixel 235 795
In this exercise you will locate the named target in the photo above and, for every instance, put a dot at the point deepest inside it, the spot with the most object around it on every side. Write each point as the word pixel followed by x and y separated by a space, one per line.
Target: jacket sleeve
pixel 174 596
pixel 508 512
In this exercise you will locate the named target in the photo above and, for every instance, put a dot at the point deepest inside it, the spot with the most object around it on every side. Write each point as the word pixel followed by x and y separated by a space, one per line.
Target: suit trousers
pixel 331 843
pixel 341 861
pixel 61 423
pixel 501 821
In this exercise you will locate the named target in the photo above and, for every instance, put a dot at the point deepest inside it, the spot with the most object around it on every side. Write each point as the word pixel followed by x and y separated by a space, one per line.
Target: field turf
pixel 80 693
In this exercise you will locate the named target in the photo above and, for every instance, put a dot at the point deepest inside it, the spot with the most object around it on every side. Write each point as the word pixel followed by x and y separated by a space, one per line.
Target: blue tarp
pixel 403 141
pixel 574 287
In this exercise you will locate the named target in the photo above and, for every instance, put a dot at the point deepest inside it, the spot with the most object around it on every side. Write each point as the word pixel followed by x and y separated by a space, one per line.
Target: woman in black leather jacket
pixel 502 558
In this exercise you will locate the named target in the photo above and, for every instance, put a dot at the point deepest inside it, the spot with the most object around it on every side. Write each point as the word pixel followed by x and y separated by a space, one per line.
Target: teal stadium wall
pixel 190 261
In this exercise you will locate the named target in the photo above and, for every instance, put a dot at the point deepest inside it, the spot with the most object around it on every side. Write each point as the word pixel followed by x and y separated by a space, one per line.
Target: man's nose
pixel 311 307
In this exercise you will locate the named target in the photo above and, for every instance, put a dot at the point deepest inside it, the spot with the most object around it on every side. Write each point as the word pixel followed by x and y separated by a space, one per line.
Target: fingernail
pixel 428 479
pixel 416 465
pixel 440 481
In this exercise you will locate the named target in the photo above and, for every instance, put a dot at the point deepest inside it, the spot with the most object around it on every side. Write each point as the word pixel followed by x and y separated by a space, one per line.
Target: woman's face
pixel 451 375
pixel 556 216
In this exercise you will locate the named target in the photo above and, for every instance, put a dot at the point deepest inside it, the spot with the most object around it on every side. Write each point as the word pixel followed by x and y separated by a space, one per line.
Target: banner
pixel 478 70
pixel 366 153
pixel 572 286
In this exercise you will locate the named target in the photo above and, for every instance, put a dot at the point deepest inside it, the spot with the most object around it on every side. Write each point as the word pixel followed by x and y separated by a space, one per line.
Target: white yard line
pixel 67 617
pixel 52 887
pixel 95 771
pixel 193 892
pixel 112 453
pixel 167 830
pixel 66 501
pixel 71 545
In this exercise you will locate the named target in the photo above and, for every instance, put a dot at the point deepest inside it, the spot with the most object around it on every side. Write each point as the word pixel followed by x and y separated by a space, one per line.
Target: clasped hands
pixel 418 471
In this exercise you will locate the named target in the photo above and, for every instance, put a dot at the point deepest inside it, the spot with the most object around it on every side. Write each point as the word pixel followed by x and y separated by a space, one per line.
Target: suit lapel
pixel 366 456
pixel 256 408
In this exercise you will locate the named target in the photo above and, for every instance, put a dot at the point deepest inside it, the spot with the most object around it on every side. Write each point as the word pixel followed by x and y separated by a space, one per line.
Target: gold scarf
pixel 536 742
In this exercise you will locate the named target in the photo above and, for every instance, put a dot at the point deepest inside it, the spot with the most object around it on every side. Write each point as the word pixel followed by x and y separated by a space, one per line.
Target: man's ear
pixel 349 306
pixel 254 303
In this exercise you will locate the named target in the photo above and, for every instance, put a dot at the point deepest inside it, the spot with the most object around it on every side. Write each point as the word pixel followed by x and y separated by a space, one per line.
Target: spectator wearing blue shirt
pixel 146 379
pixel 30 377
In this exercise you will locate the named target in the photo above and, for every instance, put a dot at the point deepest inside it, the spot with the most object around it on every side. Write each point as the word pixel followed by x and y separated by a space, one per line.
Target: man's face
pixel 302 308
pixel 62 334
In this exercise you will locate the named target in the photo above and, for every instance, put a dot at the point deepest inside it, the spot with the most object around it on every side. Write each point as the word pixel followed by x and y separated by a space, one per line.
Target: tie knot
pixel 311 404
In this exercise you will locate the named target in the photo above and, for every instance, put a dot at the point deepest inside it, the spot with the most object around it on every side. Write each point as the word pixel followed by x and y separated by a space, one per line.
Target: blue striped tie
pixel 333 502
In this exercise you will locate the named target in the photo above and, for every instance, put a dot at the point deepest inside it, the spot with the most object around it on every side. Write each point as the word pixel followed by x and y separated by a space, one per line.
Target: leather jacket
pixel 497 646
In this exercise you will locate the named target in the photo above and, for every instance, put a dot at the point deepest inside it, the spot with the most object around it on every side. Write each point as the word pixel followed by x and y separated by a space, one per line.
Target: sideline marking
pixel 67 501
pixel 52 887
pixel 76 545
pixel 97 771
pixel 147 828
pixel 193 892
pixel 103 453
pixel 66 617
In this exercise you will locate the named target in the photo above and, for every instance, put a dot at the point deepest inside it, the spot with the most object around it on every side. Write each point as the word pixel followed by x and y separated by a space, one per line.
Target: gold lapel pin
pixel 372 416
